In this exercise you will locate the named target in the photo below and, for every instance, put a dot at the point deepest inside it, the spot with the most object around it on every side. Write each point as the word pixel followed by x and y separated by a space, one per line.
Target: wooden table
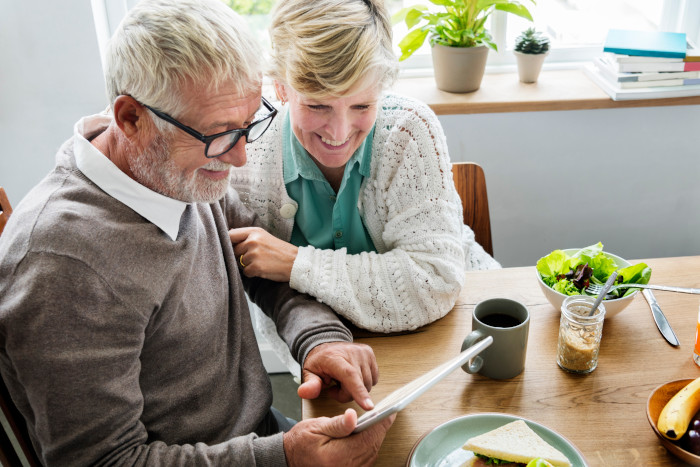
pixel 603 413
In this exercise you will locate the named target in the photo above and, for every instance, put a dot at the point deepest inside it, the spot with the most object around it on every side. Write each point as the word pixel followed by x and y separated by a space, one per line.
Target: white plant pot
pixel 529 66
pixel 459 69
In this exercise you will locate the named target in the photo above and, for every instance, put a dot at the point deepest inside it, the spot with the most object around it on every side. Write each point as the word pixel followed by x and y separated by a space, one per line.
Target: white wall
pixel 50 76
pixel 547 172
pixel 627 177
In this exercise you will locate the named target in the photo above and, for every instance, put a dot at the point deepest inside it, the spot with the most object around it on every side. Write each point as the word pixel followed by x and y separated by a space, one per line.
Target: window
pixel 257 13
pixel 577 28
pixel 107 15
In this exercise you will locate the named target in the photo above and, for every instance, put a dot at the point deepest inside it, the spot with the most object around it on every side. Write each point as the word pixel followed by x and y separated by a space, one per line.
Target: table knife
pixel 660 319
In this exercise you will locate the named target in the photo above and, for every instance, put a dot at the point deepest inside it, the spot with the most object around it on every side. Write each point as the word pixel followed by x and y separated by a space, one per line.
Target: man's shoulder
pixel 68 215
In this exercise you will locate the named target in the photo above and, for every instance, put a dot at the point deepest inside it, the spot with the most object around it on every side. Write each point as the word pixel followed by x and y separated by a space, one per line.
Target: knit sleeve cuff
pixel 301 269
pixel 269 451
pixel 318 339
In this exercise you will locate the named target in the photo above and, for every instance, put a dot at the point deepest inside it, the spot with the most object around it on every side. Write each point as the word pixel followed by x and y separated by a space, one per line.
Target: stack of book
pixel 646 65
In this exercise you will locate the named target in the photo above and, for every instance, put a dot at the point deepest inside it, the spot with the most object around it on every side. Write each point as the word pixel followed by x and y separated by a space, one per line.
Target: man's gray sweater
pixel 121 346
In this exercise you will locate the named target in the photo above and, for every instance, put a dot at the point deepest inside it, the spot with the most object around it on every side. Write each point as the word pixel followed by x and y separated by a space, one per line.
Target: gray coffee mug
pixel 508 322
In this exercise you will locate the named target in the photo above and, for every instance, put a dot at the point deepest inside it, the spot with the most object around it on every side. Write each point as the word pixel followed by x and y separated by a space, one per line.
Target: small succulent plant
pixel 531 42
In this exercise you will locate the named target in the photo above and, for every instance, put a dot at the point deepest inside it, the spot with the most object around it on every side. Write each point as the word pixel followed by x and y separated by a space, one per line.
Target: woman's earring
pixel 283 101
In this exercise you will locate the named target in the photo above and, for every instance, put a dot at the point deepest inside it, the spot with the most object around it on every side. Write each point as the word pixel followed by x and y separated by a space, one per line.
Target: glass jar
pixel 579 334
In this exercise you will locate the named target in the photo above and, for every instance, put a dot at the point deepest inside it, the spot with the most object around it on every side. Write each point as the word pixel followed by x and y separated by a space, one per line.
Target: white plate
pixel 442 446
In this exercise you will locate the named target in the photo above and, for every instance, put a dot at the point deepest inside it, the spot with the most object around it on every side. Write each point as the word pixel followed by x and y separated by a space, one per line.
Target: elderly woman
pixel 354 184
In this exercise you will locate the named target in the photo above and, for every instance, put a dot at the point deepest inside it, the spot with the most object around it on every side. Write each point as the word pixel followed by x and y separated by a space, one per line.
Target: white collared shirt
pixel 162 211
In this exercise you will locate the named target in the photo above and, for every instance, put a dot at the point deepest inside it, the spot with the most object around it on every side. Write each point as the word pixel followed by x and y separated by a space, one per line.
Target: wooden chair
pixel 17 451
pixel 15 445
pixel 470 183
pixel 5 209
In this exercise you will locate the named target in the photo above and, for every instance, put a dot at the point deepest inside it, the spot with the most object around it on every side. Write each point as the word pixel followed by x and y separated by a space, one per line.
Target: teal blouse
pixel 325 219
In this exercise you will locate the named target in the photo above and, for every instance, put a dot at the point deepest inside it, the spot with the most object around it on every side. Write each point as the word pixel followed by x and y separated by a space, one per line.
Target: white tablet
pixel 403 396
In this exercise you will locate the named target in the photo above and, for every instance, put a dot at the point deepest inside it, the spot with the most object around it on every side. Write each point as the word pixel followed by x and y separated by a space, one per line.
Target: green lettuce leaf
pixel 492 460
pixel 635 274
pixel 553 264
pixel 602 266
pixel 553 267
pixel 589 252
pixel 566 287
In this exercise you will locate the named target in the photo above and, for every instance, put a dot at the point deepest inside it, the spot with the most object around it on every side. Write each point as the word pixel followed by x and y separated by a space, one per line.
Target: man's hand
pixel 330 442
pixel 261 254
pixel 5 209
pixel 348 371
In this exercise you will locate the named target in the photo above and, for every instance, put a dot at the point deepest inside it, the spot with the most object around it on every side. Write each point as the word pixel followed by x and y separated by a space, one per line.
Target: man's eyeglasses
pixel 221 143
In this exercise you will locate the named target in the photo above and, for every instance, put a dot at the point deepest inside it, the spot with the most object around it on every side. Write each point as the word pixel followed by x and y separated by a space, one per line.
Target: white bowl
pixel 612 307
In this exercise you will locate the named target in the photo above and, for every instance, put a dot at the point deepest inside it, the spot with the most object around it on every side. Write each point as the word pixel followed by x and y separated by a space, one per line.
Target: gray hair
pixel 162 46
pixel 324 47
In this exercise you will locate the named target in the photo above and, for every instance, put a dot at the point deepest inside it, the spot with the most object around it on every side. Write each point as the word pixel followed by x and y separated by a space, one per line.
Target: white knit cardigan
pixel 411 210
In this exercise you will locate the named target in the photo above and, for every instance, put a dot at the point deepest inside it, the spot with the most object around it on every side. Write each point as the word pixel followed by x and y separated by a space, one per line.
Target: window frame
pixel 677 15
pixel 107 15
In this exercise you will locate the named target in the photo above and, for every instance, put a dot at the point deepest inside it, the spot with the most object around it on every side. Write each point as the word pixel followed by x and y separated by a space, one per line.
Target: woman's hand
pixel 261 254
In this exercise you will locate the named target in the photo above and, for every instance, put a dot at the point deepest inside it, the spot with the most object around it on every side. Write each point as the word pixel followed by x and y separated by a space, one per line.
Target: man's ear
pixel 129 116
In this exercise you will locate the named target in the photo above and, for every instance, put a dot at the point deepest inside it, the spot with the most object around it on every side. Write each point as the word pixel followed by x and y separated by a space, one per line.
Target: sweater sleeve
pixel 413 213
pixel 302 322
pixel 76 371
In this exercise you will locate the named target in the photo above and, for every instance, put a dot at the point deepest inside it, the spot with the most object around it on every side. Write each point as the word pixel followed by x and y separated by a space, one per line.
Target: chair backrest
pixel 15 445
pixel 470 183
pixel 5 209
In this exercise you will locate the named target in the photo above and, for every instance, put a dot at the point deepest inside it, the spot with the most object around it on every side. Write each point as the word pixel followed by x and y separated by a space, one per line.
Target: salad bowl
pixel 612 306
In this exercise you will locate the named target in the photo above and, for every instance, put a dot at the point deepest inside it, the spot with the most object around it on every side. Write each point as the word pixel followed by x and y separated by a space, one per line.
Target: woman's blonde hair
pixel 324 47
pixel 163 46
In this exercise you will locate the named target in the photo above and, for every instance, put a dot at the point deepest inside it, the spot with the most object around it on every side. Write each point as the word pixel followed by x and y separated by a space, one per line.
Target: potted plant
pixel 531 48
pixel 458 37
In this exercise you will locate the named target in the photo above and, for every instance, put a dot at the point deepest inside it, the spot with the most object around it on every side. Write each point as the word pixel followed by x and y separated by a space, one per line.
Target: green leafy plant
pixel 251 7
pixel 531 42
pixel 461 24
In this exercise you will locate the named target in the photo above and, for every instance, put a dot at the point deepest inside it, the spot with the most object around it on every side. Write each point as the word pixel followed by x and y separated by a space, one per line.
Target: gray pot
pixel 529 66
pixel 459 69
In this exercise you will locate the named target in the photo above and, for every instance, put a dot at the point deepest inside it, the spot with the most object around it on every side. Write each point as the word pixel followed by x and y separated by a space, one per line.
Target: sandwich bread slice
pixel 515 442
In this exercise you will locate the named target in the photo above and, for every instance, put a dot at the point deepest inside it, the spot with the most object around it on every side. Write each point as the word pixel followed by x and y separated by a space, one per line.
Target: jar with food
pixel 579 334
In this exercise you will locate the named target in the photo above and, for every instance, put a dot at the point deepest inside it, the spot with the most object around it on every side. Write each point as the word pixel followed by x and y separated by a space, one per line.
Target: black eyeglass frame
pixel 207 139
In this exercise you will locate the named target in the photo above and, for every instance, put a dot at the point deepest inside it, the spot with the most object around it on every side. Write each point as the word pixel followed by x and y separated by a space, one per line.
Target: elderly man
pixel 124 330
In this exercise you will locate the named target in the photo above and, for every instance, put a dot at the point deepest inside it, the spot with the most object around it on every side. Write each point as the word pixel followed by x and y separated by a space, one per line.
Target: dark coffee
pixel 500 320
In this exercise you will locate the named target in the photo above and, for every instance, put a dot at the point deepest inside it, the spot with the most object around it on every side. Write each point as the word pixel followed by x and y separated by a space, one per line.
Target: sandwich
pixel 514 443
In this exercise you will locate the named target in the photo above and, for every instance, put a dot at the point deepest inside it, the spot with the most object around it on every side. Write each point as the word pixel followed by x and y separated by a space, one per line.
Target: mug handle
pixel 475 364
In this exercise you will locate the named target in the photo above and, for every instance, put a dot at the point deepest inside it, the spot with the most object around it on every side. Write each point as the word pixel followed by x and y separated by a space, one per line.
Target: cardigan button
pixel 288 210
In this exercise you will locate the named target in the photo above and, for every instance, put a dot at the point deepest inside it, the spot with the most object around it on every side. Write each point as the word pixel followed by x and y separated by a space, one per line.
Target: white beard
pixel 154 169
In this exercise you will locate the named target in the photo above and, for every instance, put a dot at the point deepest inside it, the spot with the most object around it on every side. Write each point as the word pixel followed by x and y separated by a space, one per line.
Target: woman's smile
pixel 334 144
pixel 331 129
